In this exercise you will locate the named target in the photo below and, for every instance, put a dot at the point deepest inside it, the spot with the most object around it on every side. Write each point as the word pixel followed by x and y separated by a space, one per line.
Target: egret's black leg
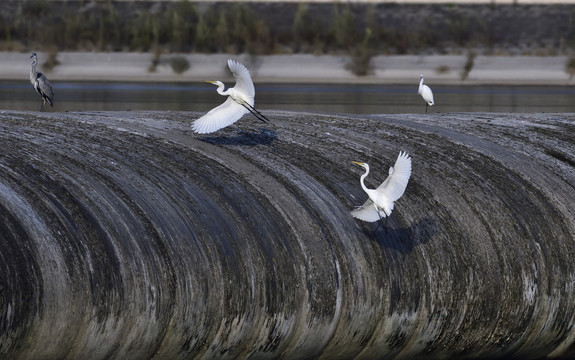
pixel 252 112
pixel 265 119
pixel 381 222
pixel 426 105
pixel 385 225
pixel 256 113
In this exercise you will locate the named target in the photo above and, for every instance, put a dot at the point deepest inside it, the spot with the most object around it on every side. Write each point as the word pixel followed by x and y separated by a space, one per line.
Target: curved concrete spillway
pixel 126 236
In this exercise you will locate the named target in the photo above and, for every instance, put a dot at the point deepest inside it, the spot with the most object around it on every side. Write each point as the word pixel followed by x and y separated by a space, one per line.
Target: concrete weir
pixel 124 235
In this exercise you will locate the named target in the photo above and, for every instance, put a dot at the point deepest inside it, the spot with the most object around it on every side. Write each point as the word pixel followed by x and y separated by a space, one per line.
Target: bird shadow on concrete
pixel 244 138
pixel 405 239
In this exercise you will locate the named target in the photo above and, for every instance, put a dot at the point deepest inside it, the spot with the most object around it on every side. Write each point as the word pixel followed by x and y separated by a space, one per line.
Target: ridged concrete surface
pixel 126 236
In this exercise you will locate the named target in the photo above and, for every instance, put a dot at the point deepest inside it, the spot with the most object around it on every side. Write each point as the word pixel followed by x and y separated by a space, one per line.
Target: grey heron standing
pixel 41 83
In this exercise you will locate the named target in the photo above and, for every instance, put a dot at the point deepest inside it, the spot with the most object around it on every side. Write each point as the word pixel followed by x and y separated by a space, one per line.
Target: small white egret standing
pixel 240 101
pixel 426 94
pixel 41 83
pixel 381 200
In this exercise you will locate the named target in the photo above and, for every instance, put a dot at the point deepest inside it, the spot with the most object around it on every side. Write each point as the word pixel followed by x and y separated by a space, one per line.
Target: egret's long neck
pixel 361 180
pixel 421 82
pixel 221 91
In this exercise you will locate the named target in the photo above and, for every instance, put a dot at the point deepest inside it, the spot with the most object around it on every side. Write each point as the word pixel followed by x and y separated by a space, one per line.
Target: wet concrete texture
pixel 126 236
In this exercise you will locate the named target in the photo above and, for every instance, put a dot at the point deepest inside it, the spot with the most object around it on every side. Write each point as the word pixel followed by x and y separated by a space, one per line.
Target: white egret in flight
pixel 240 101
pixel 426 94
pixel 381 200
pixel 41 83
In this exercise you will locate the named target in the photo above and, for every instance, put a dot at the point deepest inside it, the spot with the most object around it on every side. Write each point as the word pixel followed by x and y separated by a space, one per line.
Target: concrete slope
pixel 126 236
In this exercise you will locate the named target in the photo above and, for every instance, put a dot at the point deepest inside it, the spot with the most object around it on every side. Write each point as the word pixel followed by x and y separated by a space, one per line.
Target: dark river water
pixel 361 99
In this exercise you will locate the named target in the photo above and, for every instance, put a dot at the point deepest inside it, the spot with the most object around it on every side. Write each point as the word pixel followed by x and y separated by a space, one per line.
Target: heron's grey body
pixel 41 83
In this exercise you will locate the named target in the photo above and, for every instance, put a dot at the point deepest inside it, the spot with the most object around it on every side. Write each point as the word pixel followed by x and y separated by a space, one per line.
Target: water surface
pixel 361 99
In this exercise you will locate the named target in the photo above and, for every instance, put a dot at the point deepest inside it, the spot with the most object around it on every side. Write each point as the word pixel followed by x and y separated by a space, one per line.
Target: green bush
pixel 344 29
pixel 52 59
pixel 155 59
pixel 239 27
pixel 360 56
pixel 182 21
pixel 179 64
pixel 570 67
pixel 468 65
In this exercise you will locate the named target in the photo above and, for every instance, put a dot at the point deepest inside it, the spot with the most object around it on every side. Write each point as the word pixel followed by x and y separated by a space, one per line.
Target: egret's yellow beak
pixel 211 82
pixel 357 163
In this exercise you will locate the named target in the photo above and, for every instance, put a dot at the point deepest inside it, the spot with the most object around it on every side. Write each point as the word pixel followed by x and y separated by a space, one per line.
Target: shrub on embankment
pixel 266 28
pixel 359 31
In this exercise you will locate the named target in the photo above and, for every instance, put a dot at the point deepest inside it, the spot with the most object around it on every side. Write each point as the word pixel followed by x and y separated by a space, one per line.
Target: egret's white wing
pixel 394 186
pixel 384 183
pixel 219 117
pixel 366 212
pixel 244 81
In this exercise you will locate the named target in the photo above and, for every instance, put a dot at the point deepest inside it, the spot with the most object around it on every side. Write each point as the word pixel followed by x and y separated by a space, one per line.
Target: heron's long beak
pixel 357 163
pixel 211 82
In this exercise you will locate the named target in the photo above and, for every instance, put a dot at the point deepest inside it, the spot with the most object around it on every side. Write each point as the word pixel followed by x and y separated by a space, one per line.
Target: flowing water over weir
pixel 123 235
